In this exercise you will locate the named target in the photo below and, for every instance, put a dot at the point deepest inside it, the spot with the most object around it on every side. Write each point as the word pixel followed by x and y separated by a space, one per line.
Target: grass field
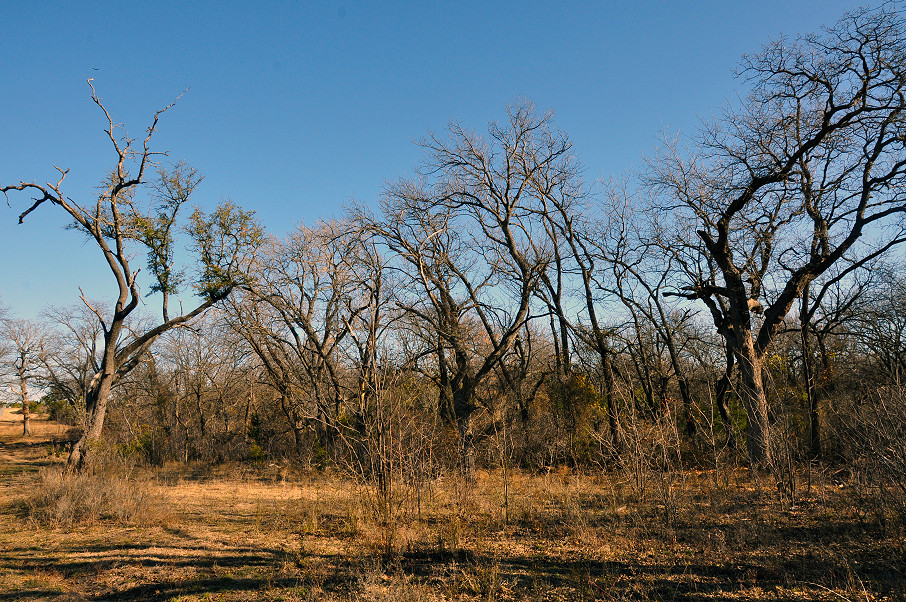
pixel 267 533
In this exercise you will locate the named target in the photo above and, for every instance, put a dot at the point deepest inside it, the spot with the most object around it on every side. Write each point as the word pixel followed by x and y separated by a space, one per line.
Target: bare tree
pixel 636 273
pixel 837 302
pixel 116 222
pixel 26 344
pixel 73 353
pixel 879 322
pixel 470 250
pixel 5 353
pixel 201 387
pixel 781 189
pixel 316 316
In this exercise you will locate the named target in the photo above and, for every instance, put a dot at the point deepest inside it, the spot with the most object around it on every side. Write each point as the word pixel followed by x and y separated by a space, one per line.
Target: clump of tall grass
pixel 64 499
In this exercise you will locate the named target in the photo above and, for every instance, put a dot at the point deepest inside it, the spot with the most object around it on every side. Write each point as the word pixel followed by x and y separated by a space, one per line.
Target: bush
pixel 62 410
pixel 875 433
pixel 256 455
pixel 64 499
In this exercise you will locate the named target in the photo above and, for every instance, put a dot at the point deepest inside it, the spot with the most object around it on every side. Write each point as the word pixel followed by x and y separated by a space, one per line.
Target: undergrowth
pixel 63 499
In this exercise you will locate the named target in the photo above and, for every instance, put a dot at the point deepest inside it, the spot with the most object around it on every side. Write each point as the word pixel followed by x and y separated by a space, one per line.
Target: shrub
pixel 875 432
pixel 64 499
pixel 62 410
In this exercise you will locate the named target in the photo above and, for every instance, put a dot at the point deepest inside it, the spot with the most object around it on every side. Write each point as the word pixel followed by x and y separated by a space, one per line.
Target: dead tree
pixel 26 351
pixel 118 224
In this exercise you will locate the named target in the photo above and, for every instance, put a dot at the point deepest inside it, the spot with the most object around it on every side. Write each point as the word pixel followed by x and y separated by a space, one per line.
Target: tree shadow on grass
pixel 692 579
pixel 158 592
pixel 172 558
pixel 260 573
pixel 34 595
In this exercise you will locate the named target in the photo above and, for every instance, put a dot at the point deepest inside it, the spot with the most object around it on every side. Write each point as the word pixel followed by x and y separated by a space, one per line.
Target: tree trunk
pixel 464 407
pixel 688 414
pixel 607 367
pixel 723 387
pixel 26 410
pixel 811 393
pixel 445 396
pixel 754 400
pixel 95 411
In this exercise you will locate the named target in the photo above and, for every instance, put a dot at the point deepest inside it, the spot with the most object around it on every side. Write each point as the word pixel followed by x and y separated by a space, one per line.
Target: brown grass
pixel 62 499
pixel 234 534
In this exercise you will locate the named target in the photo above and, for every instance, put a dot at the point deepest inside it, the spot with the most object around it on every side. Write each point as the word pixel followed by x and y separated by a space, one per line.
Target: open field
pixel 235 533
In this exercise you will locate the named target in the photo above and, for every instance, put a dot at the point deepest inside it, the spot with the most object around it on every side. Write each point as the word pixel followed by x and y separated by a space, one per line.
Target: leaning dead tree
pixel 120 226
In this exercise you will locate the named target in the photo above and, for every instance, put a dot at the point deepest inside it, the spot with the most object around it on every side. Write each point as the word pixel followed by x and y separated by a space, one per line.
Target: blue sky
pixel 294 109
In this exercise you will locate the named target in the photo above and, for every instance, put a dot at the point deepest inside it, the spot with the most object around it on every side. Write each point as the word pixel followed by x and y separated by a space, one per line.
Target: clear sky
pixel 295 108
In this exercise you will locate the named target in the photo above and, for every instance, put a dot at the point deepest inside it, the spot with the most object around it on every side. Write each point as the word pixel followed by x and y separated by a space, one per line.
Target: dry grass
pixel 61 499
pixel 231 534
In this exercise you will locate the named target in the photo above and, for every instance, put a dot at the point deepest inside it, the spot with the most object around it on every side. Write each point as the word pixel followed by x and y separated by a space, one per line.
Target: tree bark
pixel 464 407
pixel 720 399
pixel 607 367
pixel 811 393
pixel 26 410
pixel 754 400
pixel 95 411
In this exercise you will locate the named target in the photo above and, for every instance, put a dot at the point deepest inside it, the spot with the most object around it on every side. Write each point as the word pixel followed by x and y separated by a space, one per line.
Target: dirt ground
pixel 267 533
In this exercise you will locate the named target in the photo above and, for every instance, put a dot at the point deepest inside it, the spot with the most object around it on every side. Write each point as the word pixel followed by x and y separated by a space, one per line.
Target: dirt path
pixel 21 457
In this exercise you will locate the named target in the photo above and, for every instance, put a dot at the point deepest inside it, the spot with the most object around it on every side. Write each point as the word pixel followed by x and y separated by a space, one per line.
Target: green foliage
pixel 142 445
pixel 225 241
pixel 62 410
pixel 155 229
pixel 578 408
pixel 256 455
pixel 319 455
pixel 254 429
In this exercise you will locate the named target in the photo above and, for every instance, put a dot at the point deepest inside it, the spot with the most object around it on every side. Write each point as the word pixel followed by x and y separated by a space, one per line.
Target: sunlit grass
pixel 232 533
